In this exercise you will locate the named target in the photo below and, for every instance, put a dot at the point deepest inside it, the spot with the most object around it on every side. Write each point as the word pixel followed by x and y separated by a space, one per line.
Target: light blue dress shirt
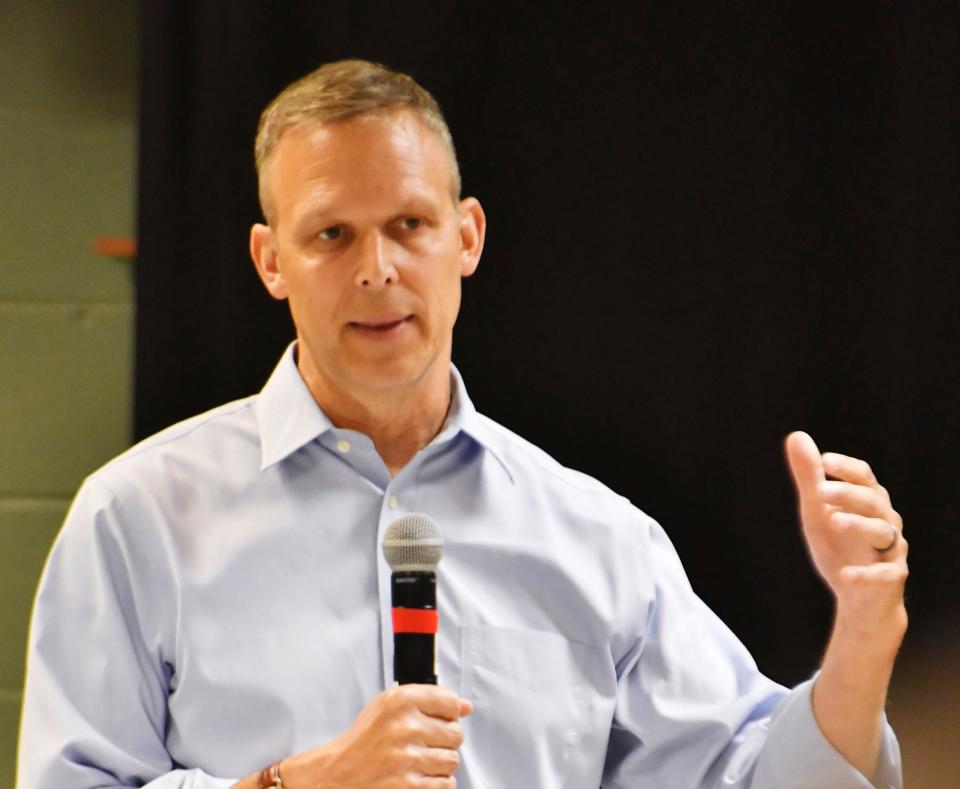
pixel 217 600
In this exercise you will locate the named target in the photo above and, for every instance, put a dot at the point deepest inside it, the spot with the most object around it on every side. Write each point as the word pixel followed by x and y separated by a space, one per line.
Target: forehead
pixel 365 160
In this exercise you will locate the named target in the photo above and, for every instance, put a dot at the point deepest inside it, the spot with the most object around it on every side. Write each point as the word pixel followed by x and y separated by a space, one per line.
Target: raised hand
pixel 854 535
pixel 855 539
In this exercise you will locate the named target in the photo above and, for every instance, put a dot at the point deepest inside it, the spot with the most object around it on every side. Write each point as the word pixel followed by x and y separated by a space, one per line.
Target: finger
pixel 442 734
pixel 896 552
pixel 875 531
pixel 855 498
pixel 806 465
pixel 438 761
pixel 436 701
pixel 880 575
pixel 849 469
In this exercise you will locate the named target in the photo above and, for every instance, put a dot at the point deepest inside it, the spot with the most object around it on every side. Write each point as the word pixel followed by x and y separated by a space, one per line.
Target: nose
pixel 375 269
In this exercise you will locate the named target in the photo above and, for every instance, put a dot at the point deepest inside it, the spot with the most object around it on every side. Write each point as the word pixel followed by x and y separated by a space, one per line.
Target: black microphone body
pixel 414 653
pixel 412 546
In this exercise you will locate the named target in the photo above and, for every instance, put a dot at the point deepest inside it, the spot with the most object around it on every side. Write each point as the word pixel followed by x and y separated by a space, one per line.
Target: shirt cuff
pixel 798 756
pixel 190 779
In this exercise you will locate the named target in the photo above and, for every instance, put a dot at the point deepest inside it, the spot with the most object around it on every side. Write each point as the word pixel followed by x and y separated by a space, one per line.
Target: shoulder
pixel 528 463
pixel 197 431
pixel 569 515
pixel 208 443
pixel 131 508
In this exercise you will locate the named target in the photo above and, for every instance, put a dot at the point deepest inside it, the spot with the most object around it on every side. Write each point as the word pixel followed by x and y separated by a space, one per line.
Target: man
pixel 216 605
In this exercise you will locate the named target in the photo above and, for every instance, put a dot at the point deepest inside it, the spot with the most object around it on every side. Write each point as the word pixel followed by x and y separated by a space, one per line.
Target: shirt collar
pixel 463 416
pixel 288 418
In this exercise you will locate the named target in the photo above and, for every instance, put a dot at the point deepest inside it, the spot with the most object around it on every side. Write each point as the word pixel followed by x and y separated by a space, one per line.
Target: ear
pixel 263 250
pixel 473 230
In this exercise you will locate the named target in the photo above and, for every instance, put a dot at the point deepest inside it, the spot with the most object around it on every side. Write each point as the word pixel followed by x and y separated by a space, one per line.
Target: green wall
pixel 68 90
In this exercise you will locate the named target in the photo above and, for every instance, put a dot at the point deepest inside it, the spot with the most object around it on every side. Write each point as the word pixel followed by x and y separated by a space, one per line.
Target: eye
pixel 411 223
pixel 330 233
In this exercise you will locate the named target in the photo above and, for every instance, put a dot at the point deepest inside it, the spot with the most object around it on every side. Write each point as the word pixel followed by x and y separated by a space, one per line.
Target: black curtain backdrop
pixel 707 226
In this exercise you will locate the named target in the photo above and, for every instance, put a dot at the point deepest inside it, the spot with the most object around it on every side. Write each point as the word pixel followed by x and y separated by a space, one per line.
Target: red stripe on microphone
pixel 415 620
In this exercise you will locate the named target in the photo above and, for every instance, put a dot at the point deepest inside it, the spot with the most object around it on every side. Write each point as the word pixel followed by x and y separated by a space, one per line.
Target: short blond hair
pixel 339 90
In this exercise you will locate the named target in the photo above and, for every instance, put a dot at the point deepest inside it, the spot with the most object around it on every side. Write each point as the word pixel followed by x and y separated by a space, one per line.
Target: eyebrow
pixel 322 212
pixel 419 204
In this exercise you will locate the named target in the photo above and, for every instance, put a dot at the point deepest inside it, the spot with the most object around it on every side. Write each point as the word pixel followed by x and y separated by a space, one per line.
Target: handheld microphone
pixel 412 547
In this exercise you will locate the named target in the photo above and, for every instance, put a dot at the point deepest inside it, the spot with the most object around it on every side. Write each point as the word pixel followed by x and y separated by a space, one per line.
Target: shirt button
pixel 392 502
pixel 343 446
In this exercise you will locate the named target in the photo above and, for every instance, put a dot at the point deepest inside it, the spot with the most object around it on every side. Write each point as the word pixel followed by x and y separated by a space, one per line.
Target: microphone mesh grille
pixel 413 542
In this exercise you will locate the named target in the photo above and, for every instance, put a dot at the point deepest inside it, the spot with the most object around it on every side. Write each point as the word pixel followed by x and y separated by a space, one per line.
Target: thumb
pixel 806 464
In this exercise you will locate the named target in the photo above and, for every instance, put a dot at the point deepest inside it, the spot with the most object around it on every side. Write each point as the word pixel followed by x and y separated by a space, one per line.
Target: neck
pixel 400 421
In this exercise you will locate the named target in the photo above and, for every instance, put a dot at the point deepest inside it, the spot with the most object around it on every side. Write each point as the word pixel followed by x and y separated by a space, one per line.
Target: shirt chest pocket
pixel 533 700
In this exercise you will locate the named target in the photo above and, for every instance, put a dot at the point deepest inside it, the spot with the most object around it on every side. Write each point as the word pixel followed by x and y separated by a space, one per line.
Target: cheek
pixel 315 303
pixel 451 299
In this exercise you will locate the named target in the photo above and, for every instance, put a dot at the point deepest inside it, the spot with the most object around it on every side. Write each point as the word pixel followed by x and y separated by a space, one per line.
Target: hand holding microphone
pixel 411 730
pixel 404 734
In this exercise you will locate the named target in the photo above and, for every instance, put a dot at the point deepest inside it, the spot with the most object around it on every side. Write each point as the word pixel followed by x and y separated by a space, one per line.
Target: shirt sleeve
pixel 94 709
pixel 796 754
pixel 694 712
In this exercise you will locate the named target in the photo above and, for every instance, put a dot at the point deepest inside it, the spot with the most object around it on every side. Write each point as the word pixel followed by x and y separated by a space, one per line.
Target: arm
pixel 94 708
pixel 692 709
pixel 846 521
pixel 98 680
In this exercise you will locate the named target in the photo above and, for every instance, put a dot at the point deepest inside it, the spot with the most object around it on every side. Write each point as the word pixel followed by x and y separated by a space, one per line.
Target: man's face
pixel 369 247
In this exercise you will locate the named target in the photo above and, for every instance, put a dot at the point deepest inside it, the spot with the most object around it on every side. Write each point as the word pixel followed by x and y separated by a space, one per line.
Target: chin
pixel 395 374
